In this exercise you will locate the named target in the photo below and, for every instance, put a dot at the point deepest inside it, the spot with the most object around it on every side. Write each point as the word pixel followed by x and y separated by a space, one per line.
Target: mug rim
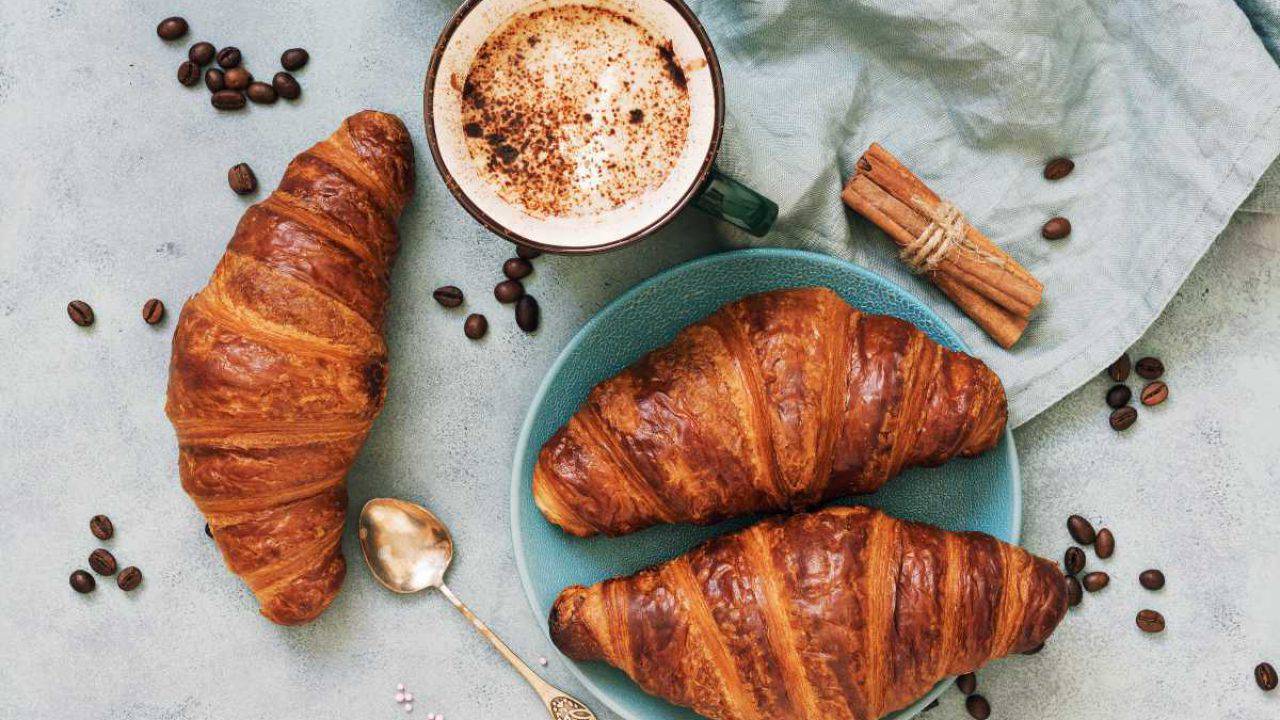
pixel 700 180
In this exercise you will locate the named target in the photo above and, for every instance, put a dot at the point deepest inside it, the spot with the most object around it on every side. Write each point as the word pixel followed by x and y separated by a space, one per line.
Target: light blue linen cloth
pixel 1171 111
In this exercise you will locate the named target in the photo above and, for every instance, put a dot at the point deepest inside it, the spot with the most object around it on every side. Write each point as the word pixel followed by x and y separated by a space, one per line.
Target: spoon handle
pixel 561 705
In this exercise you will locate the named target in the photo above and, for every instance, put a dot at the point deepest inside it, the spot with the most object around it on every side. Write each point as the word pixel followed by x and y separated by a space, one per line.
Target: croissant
pixel 279 366
pixel 842 614
pixel 778 401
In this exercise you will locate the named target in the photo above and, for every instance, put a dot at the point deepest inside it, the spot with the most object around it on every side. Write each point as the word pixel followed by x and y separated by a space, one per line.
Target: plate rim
pixel 539 397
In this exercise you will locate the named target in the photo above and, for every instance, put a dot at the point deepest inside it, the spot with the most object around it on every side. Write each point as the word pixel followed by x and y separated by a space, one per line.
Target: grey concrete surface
pixel 113 191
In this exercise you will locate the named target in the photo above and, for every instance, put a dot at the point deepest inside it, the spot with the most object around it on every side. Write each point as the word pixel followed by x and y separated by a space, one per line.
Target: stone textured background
pixel 114 191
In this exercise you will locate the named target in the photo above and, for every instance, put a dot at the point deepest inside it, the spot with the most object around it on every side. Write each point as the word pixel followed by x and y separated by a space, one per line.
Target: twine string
pixel 947 232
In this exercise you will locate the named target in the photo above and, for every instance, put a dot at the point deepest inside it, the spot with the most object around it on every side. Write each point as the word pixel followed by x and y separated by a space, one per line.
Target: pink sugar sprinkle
pixel 399 697
pixel 408 697
pixel 408 707
pixel 542 661
pixel 400 687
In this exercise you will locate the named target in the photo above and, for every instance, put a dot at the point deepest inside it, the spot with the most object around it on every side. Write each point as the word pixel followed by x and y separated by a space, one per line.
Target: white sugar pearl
pixel 542 661
pixel 408 697
pixel 408 707
pixel 400 687
pixel 399 697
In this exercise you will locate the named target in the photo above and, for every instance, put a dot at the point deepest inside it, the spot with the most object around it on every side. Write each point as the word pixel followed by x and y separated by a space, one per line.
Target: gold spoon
pixel 408 549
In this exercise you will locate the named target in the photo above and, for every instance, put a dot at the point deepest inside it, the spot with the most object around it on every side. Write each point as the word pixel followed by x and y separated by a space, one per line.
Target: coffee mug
pixel 562 160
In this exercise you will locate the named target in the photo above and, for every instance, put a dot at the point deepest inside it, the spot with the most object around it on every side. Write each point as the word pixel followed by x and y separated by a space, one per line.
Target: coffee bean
pixel 188 73
pixel 238 79
pixel 967 683
pixel 449 296
pixel 129 579
pixel 172 28
pixel 1119 370
pixel 153 311
pixel 83 582
pixel 1073 560
pixel 978 707
pixel 1155 393
pixel 1265 675
pixel 80 313
pixel 1123 418
pixel 1119 395
pixel 227 100
pixel 1081 530
pixel 517 268
pixel 241 179
pixel 201 53
pixel 1075 593
pixel 262 93
pixel 1035 650
pixel 1105 545
pixel 527 313
pixel 207 530
pixel 215 79
pixel 286 86
pixel 527 252
pixel 508 291
pixel 102 562
pixel 1058 168
pixel 1149 368
pixel 1150 621
pixel 229 57
pixel 101 527
pixel 475 326
pixel 1095 581
pixel 294 58
pixel 1056 229
pixel 1151 579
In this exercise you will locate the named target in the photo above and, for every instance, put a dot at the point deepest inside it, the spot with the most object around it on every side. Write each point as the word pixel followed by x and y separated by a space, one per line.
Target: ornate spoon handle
pixel 561 705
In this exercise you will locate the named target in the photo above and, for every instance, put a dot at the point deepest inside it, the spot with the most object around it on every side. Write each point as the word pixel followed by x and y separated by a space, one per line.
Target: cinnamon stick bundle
pixel 936 240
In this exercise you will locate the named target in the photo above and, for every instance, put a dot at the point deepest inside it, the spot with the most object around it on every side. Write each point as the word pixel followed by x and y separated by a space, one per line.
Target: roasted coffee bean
pixel 967 683
pixel 1075 593
pixel 1058 168
pixel 215 79
pixel 1119 370
pixel 1155 393
pixel 1123 418
pixel 172 28
pixel 1095 581
pixel 1150 621
pixel 228 100
pixel 978 707
pixel 152 311
pixel 1081 530
pixel 1056 229
pixel 83 582
pixel 1035 650
pixel 1119 395
pixel 508 291
pixel 1149 368
pixel 1151 579
pixel 517 268
pixel 1265 675
pixel 102 562
pixel 1073 560
pixel 80 313
pixel 239 79
pixel 527 252
pixel 129 578
pixel 229 57
pixel 262 93
pixel 241 179
pixel 527 313
pixel 201 53
pixel 475 326
pixel 294 59
pixel 207 530
pixel 101 527
pixel 188 73
pixel 449 296
pixel 286 86
pixel 1105 545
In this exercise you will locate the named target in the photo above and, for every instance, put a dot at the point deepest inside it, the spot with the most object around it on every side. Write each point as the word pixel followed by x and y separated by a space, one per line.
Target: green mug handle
pixel 735 203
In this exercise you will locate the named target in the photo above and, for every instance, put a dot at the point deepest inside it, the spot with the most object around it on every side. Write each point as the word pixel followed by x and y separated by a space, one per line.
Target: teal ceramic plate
pixel 978 494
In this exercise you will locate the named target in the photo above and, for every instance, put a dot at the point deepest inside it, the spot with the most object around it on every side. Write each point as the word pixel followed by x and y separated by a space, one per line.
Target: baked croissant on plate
pixel 842 614
pixel 778 401
pixel 279 365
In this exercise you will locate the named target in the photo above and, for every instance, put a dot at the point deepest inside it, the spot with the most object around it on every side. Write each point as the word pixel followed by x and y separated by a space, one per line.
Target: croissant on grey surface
pixel 842 614
pixel 778 401
pixel 279 365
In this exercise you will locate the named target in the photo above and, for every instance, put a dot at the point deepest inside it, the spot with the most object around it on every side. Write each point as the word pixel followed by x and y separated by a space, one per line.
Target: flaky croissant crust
pixel 279 365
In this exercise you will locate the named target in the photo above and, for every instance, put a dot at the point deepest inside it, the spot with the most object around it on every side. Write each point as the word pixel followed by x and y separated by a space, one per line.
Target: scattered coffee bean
pixel 215 79
pixel 229 57
pixel 475 326
pixel 101 527
pixel 1151 579
pixel 1095 581
pixel 1035 650
pixel 1058 168
pixel 1150 621
pixel 1081 530
pixel 262 93
pixel 188 73
pixel 1056 229
pixel 102 562
pixel 238 79
pixel 241 179
pixel 207 530
pixel 449 296
pixel 526 252
pixel 1075 593
pixel 129 579
pixel 1265 675
pixel 1119 395
pixel 1123 418
pixel 527 313
pixel 294 59
pixel 1073 560
pixel 1119 370
pixel 517 268
pixel 967 683
pixel 172 28
pixel 1105 545
pixel 227 100
pixel 153 311
pixel 508 291
pixel 202 53
pixel 930 706
pixel 978 707
pixel 1149 368
pixel 83 582
pixel 286 86
pixel 80 313
pixel 1155 393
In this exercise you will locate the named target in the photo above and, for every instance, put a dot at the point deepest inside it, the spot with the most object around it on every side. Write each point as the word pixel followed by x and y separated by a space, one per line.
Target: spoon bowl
pixel 406 547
